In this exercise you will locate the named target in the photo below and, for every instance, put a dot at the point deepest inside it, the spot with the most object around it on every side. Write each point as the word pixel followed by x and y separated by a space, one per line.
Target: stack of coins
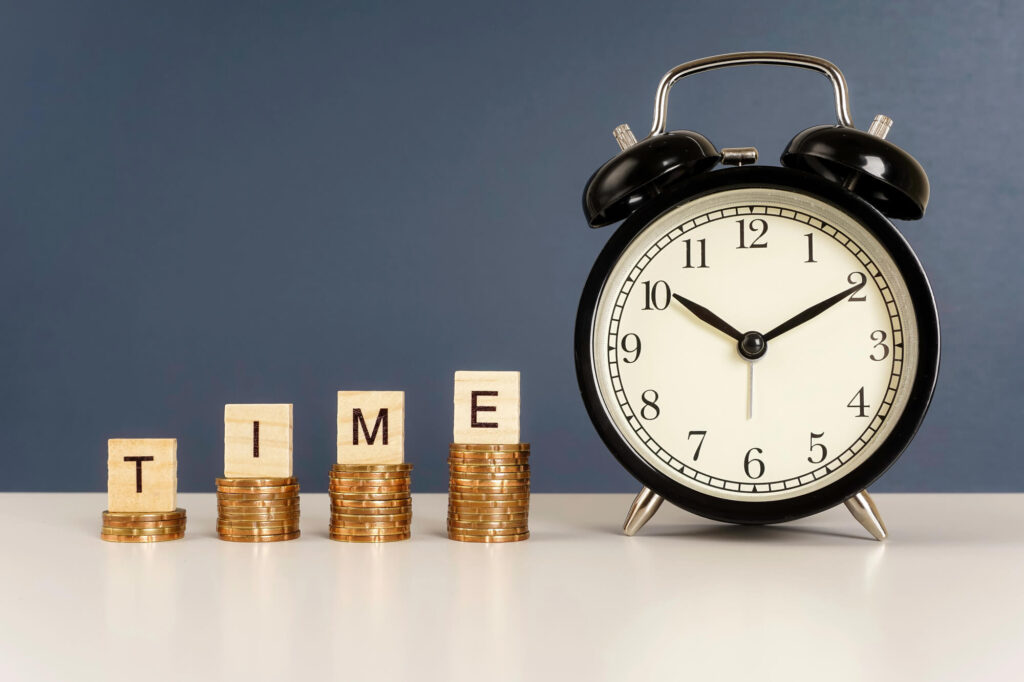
pixel 257 509
pixel 489 492
pixel 143 526
pixel 370 502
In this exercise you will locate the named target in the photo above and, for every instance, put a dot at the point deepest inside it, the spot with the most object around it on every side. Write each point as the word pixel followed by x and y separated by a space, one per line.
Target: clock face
pixel 754 344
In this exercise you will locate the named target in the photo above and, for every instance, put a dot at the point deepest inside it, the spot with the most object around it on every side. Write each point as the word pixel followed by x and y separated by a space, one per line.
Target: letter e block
pixel 371 427
pixel 142 474
pixel 486 407
pixel 257 441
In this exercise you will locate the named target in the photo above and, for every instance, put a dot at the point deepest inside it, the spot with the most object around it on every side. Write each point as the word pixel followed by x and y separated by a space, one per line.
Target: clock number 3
pixel 759 227
pixel 879 337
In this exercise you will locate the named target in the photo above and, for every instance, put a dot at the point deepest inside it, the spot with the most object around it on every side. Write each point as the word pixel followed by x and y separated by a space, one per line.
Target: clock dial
pixel 754 344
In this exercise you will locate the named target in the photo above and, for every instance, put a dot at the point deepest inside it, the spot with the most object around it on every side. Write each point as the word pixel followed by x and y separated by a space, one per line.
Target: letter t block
pixel 486 408
pixel 142 474
pixel 257 441
pixel 371 427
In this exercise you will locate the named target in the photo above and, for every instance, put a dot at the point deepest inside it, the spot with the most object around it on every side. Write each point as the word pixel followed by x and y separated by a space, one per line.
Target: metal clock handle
pixel 801 61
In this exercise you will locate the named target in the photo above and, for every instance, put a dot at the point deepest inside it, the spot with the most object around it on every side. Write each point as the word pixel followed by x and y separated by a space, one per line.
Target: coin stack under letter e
pixel 489 469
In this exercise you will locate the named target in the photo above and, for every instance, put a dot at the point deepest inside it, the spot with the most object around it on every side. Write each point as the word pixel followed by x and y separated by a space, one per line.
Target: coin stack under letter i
pixel 489 468
pixel 258 498
pixel 142 489
pixel 370 483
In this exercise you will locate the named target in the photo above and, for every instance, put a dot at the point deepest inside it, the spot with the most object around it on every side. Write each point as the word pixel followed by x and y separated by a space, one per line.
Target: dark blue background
pixel 209 202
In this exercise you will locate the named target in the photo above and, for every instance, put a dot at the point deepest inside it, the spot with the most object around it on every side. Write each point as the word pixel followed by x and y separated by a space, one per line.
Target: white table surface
pixel 942 599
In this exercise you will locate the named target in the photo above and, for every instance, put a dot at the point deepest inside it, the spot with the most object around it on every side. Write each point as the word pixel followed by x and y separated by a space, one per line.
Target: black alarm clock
pixel 756 344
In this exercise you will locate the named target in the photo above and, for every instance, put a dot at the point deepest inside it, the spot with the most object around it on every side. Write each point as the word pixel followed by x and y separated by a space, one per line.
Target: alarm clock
pixel 756 344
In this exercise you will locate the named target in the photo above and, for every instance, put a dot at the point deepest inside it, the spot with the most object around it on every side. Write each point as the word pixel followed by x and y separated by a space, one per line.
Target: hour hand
pixel 708 317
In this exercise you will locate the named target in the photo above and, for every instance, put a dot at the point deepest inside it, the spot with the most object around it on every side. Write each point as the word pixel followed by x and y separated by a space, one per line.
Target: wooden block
pixel 142 474
pixel 257 441
pixel 486 407
pixel 371 427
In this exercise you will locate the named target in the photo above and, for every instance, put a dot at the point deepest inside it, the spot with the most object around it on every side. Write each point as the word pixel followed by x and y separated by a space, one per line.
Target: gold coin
pixel 370 518
pixel 258 517
pixel 490 475
pixel 341 527
pixel 261 538
pixel 369 530
pixel 235 533
pixel 473 530
pixel 142 538
pixel 257 482
pixel 340 495
pixel 402 487
pixel 396 530
pixel 460 495
pixel 398 501
pixel 483 505
pixel 263 513
pixel 496 486
pixel 357 478
pixel 256 496
pixel 170 523
pixel 487 518
pixel 255 491
pixel 108 530
pixel 371 513
pixel 287 502
pixel 489 468
pixel 241 525
pixel 370 538
pixel 488 538
pixel 371 468
pixel 178 513
pixel 480 447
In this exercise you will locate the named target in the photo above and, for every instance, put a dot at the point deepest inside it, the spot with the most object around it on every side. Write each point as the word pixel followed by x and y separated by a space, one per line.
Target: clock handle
pixel 801 61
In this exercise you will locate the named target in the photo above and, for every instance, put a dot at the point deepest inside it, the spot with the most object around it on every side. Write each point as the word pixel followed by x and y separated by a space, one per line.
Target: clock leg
pixel 640 512
pixel 863 509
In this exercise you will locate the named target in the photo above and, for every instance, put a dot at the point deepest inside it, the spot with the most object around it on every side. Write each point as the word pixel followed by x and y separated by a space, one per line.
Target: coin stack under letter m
pixel 489 469
pixel 258 498
pixel 142 488
pixel 370 483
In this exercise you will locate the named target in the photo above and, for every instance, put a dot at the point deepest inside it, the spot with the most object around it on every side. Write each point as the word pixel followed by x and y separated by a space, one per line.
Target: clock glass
pixel 754 344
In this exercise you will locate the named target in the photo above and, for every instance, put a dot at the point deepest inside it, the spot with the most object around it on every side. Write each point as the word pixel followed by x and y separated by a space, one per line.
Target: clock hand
pixel 708 317
pixel 810 313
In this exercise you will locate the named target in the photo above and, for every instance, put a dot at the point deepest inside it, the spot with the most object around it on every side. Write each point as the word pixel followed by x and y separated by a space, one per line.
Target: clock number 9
pixel 650 410
pixel 753 463
pixel 635 350
pixel 759 227
pixel 657 296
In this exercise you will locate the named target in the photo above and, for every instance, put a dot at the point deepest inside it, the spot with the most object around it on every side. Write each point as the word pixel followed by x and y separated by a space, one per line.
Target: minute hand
pixel 812 312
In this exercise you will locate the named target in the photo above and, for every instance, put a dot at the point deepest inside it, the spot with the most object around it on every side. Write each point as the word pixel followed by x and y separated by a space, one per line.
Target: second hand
pixel 750 389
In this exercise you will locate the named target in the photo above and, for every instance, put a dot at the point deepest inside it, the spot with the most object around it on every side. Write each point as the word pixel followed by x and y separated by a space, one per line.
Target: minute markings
pixel 878 280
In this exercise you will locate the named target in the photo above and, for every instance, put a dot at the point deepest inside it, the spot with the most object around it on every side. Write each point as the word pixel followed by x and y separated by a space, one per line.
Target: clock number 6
pixel 823 450
pixel 753 462
pixel 759 227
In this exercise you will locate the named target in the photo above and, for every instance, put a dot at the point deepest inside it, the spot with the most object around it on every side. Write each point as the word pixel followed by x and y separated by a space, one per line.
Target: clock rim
pixel 907 425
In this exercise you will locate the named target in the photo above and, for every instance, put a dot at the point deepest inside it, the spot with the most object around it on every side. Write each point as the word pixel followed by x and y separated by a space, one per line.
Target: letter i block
pixel 486 407
pixel 142 474
pixel 258 441
pixel 371 427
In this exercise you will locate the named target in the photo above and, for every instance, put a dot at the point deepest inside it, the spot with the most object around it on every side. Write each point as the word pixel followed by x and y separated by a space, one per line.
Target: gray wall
pixel 205 203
